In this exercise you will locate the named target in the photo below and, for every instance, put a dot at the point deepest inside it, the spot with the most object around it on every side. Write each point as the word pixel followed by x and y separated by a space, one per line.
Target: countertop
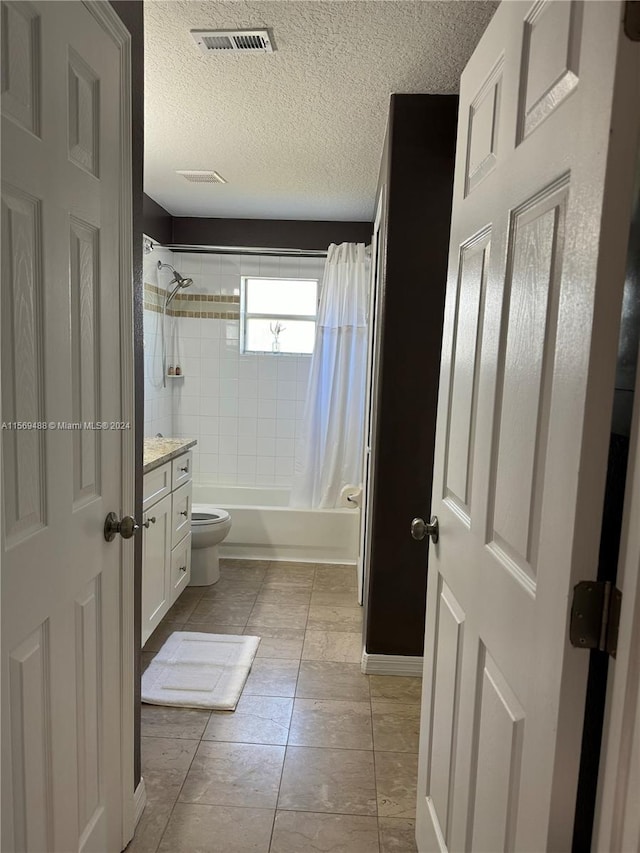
pixel 157 451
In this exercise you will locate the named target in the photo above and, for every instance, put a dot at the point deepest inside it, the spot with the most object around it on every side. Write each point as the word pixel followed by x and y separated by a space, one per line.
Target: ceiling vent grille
pixel 235 41
pixel 201 177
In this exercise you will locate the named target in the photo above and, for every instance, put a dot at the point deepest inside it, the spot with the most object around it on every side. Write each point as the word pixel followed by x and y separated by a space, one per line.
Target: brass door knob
pixel 421 528
pixel 126 526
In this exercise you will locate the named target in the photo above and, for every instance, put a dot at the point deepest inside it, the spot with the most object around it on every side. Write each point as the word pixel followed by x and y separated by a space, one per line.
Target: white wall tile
pixel 285 428
pixel 265 445
pixel 247 446
pixel 228 407
pixel 228 445
pixel 285 447
pixel 228 426
pixel 245 410
pixel 267 408
pixel 248 408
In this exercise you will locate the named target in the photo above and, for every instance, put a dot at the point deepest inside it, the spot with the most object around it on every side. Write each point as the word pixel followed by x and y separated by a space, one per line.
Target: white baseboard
pixel 391 665
pixel 139 801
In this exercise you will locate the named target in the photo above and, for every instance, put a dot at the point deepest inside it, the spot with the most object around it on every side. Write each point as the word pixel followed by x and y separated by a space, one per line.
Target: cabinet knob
pixel 184 512
pixel 185 469
pixel 182 569
pixel 149 521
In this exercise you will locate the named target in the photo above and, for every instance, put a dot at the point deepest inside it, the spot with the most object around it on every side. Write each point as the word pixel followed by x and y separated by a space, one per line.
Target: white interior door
pixel 62 164
pixel 542 198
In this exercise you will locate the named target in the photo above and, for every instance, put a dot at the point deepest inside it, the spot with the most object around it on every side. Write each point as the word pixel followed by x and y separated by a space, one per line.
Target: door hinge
pixel 595 616
pixel 632 19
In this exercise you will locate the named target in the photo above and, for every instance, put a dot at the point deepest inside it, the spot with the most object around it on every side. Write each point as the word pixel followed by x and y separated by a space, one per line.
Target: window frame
pixel 245 315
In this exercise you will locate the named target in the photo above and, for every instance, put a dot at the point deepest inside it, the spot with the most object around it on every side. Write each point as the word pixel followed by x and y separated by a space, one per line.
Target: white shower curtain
pixel 329 452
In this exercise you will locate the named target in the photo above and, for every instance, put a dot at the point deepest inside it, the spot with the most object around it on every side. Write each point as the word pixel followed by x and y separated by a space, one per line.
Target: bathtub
pixel 265 527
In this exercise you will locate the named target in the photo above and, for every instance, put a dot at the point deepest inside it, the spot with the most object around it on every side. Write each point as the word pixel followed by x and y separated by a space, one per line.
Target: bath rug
pixel 197 670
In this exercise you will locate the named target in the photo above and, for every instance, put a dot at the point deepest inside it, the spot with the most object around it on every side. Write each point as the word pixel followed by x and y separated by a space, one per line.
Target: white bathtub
pixel 264 527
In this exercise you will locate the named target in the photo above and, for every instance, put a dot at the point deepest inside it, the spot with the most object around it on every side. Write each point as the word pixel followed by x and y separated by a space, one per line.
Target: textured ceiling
pixel 298 133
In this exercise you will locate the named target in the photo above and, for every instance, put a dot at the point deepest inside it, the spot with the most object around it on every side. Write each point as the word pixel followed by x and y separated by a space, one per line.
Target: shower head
pixel 179 281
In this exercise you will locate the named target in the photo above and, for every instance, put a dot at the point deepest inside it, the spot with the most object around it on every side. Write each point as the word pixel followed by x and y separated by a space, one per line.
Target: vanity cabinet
pixel 166 539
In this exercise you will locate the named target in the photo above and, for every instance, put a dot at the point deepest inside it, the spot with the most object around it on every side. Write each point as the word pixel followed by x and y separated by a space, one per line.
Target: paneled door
pixel 64 443
pixel 542 201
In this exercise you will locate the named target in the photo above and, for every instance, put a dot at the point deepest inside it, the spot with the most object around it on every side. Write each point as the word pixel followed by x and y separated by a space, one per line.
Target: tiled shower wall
pixel 244 409
pixel 158 401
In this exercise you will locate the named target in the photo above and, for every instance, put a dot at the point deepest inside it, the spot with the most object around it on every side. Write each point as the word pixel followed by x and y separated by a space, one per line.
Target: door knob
pixel 420 528
pixel 125 527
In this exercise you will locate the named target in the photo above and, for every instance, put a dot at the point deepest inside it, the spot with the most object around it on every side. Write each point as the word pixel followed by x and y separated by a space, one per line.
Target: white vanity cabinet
pixel 166 539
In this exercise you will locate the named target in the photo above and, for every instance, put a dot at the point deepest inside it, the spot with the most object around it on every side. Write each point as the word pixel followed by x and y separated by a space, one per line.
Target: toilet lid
pixel 208 515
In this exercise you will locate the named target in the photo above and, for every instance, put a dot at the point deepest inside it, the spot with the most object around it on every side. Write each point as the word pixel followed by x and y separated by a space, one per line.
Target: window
pixel 278 315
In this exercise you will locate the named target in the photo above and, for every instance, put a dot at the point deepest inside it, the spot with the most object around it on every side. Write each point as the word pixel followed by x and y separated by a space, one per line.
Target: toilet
pixel 209 526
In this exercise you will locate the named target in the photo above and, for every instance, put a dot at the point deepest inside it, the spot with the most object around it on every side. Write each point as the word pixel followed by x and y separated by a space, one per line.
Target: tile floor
pixel 316 757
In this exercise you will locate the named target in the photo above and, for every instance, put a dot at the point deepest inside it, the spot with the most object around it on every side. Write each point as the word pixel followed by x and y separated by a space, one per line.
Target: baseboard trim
pixel 139 800
pixel 391 664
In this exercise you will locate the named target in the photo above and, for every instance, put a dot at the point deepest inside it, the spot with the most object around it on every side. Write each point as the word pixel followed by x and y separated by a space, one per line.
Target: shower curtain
pixel 329 451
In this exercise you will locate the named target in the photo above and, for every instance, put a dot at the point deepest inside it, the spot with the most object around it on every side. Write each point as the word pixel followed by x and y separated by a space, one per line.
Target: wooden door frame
pixel 132 801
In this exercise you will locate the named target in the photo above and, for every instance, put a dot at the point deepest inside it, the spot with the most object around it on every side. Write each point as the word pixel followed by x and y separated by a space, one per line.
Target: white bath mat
pixel 199 670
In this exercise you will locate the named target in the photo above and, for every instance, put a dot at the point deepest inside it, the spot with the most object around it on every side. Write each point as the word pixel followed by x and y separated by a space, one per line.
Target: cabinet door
pixel 181 467
pixel 181 513
pixel 156 568
pixel 180 567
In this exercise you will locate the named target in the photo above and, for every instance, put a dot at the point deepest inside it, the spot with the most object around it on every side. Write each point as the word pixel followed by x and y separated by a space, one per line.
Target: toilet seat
pixel 205 514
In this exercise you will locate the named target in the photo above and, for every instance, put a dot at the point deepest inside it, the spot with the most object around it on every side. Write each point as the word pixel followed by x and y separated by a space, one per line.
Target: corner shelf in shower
pixel 173 376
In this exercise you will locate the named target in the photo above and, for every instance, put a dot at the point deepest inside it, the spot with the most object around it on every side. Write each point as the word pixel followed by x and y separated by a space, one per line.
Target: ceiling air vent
pixel 239 41
pixel 201 177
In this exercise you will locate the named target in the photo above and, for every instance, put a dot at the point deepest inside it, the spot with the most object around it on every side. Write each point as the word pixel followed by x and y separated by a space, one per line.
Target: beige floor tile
pixel 229 566
pixel 331 723
pixel 334 599
pixel 235 593
pixel 233 582
pixel 213 628
pixel 322 618
pixel 223 612
pixel 330 645
pixel 272 677
pixel 335 579
pixel 278 642
pixel 396 688
pixel 184 606
pixel 162 633
pixel 304 832
pixel 217 829
pixel 161 753
pixel 331 680
pixel 239 774
pixel 328 780
pixel 150 828
pixel 278 616
pixel 294 576
pixel 397 835
pixel 256 719
pixel 396 783
pixel 396 727
pixel 162 721
pixel 292 566
pixel 284 597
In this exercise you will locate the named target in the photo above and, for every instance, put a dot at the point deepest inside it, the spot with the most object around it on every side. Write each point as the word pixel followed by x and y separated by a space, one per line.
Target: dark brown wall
pixel 267 233
pixel 131 14
pixel 419 178
pixel 156 222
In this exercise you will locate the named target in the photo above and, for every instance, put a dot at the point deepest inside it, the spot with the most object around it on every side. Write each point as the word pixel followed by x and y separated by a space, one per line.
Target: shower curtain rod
pixel 246 250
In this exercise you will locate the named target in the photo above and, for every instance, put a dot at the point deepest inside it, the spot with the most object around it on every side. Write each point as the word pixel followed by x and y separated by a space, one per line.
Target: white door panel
pixel 539 224
pixel 61 651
